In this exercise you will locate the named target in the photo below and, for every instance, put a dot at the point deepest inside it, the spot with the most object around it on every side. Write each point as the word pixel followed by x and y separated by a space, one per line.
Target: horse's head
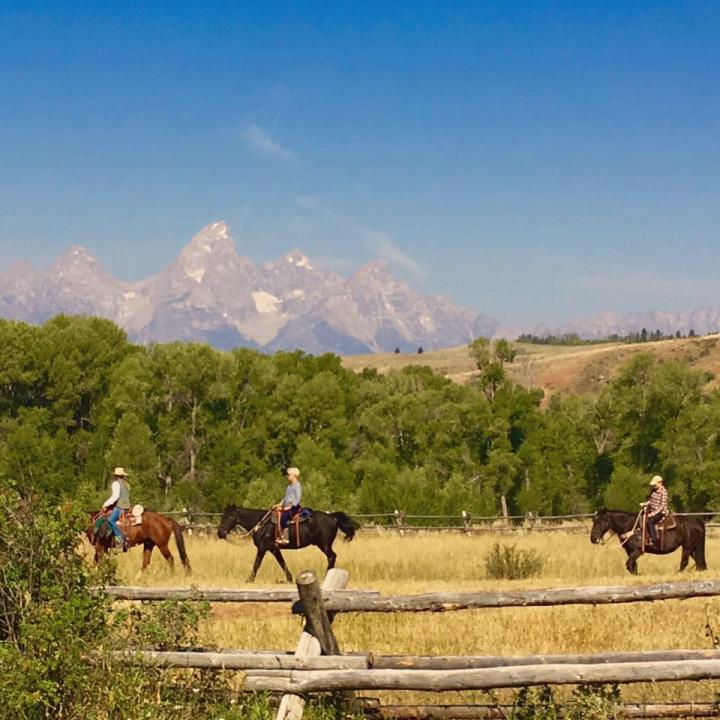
pixel 601 524
pixel 228 522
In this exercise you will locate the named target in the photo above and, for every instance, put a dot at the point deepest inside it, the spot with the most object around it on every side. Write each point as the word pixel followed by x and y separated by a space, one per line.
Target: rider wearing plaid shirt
pixel 657 506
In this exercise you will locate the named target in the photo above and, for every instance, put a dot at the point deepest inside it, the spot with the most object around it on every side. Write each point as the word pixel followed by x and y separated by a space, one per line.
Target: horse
pixel 319 529
pixel 154 530
pixel 689 534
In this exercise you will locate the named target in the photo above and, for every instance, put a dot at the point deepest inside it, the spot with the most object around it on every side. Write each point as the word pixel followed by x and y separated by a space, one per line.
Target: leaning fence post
pixel 291 706
pixel 316 617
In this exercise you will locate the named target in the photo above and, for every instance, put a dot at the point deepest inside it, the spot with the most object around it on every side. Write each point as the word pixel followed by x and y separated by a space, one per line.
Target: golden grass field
pixel 394 564
pixel 555 368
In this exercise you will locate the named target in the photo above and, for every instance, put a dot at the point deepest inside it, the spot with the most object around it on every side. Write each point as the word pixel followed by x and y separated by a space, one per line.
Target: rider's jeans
pixel 114 517
pixel 652 521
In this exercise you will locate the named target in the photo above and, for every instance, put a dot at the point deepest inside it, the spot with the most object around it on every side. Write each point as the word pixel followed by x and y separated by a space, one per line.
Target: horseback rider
pixel 290 504
pixel 656 507
pixel 117 503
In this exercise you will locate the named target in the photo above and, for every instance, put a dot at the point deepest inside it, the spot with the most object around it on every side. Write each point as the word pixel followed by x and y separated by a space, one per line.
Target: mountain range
pixel 211 294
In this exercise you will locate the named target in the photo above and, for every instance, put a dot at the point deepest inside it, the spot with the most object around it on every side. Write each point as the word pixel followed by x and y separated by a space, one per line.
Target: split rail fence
pixel 317 665
pixel 402 522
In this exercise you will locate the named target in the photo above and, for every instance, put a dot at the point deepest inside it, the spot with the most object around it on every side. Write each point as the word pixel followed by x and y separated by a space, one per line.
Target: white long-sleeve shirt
pixel 114 494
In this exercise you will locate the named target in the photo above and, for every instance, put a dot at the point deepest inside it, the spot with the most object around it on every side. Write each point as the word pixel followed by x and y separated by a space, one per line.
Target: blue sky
pixel 535 161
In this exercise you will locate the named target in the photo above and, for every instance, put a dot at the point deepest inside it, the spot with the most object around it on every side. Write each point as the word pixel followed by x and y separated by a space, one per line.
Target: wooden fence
pixel 403 522
pixel 318 665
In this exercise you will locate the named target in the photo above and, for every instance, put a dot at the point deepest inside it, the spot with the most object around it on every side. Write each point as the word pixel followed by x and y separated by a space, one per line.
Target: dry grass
pixel 427 562
pixel 555 368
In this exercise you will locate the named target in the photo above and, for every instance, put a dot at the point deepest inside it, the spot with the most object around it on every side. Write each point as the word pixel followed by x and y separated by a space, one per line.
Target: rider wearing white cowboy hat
pixel 119 501
pixel 656 506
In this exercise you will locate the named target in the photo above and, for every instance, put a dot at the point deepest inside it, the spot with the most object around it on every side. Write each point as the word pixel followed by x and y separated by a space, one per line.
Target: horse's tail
pixel 180 542
pixel 346 524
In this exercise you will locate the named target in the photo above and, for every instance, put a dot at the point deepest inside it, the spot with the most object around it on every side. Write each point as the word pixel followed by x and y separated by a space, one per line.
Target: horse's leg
pixel 165 550
pixel 631 563
pixel 258 559
pixel 685 557
pixel 148 546
pixel 331 556
pixel 281 561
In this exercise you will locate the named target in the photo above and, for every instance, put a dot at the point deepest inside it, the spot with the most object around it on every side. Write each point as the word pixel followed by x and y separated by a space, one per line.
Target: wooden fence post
pixel 466 521
pixel 316 617
pixel 291 706
pixel 399 516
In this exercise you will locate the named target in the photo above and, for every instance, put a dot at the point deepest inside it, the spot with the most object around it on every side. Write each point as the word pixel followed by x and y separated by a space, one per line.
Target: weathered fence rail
pixel 372 601
pixel 502 712
pixel 130 592
pixel 244 660
pixel 306 681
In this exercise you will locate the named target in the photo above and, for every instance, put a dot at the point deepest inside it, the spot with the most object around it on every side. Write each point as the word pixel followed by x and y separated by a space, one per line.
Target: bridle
pixel 245 534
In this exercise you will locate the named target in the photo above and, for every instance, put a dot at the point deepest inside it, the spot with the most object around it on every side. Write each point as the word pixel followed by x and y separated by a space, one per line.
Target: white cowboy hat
pixel 293 471
pixel 120 472
pixel 657 480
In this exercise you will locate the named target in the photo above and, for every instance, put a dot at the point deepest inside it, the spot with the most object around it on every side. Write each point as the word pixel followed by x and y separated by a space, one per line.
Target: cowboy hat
pixel 657 480
pixel 120 472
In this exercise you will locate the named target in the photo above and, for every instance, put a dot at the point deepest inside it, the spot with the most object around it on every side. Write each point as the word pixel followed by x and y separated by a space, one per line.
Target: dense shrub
pixel 506 562
pixel 58 631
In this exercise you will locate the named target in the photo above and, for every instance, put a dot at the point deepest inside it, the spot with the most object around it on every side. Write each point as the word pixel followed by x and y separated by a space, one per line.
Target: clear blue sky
pixel 535 161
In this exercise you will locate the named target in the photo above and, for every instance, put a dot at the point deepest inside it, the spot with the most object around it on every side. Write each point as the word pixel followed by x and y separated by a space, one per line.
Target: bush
pixel 58 630
pixel 506 562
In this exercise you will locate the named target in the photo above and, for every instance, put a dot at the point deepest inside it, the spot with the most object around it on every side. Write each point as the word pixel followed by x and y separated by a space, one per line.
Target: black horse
pixel 319 529
pixel 689 534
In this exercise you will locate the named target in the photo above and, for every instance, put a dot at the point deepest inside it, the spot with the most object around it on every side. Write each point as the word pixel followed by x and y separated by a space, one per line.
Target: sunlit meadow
pixel 415 563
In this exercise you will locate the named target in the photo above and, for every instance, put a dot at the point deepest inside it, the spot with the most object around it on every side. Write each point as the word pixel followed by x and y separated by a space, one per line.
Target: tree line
pixel 573 339
pixel 201 428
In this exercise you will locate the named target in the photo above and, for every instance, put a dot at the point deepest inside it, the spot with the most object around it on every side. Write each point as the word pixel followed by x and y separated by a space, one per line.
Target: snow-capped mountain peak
pixel 210 293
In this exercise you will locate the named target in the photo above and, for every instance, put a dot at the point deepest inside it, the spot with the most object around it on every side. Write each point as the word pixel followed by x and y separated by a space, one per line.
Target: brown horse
pixel 154 530
pixel 689 534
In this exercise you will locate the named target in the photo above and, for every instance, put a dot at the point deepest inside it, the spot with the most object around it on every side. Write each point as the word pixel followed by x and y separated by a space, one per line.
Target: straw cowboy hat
pixel 120 472
pixel 657 480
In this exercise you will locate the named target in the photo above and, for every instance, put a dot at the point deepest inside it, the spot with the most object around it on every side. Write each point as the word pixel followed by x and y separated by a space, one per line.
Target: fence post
pixel 186 520
pixel 399 517
pixel 291 706
pixel 466 521
pixel 316 617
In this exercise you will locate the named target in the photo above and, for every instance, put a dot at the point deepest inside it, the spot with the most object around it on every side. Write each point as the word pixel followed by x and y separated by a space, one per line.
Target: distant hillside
pixel 568 369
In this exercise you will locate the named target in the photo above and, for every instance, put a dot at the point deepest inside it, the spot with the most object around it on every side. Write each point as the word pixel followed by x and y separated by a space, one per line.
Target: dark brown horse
pixel 154 530
pixel 689 534
pixel 320 529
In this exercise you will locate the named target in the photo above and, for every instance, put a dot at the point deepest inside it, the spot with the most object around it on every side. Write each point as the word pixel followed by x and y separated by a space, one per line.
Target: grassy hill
pixel 556 368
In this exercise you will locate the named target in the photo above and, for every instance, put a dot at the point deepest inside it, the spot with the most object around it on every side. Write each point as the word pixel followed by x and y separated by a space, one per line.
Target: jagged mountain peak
pixel 213 232
pixel 298 259
pixel 77 261
pixel 210 293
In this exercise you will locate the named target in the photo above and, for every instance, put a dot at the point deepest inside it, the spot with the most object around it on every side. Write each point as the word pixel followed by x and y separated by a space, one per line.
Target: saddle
pixel 669 522
pixel 130 518
pixel 300 517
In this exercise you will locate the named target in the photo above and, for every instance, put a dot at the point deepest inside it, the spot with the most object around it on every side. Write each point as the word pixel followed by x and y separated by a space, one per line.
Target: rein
pixel 245 534
pixel 627 535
